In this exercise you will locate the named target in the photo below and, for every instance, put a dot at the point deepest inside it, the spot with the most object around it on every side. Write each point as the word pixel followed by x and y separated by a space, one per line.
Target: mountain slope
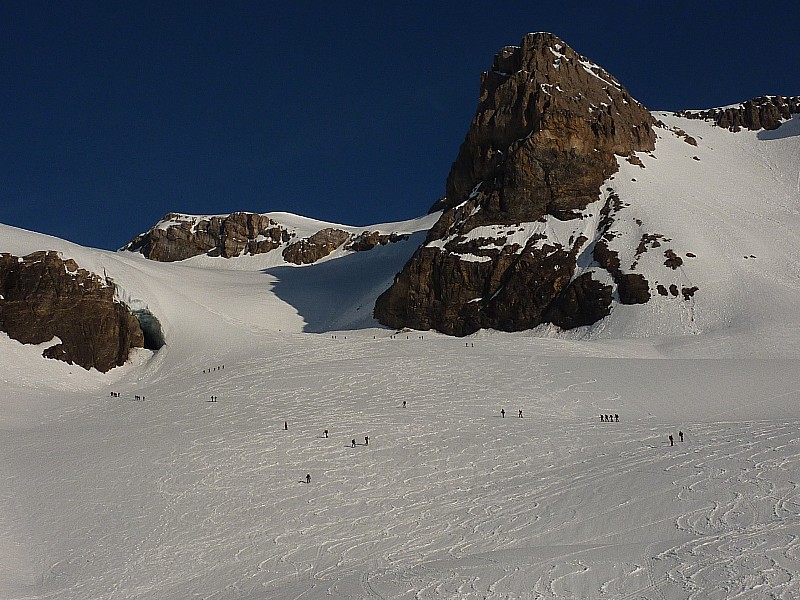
pixel 177 496
pixel 530 233
pixel 215 300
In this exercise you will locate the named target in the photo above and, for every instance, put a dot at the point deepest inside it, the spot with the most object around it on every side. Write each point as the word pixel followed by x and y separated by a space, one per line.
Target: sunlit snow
pixel 177 496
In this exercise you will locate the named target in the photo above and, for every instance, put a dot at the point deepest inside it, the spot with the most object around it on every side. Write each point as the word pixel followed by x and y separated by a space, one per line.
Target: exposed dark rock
pixel 673 260
pixel 689 292
pixel 43 296
pixel 607 258
pixel 635 160
pixel 633 288
pixel 508 291
pixel 686 137
pixel 311 249
pixel 662 290
pixel 651 240
pixel 548 125
pixel 764 112
pixel 583 302
pixel 369 239
pixel 178 237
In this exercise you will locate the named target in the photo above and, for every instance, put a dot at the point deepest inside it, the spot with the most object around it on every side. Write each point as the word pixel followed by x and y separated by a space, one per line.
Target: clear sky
pixel 115 113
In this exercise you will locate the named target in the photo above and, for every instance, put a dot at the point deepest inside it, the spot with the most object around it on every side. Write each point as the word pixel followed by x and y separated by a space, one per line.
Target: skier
pixel 366 440
pixel 353 443
pixel 308 477
pixel 285 425
pixel 671 440
pixel 520 413
pixel 680 435
pixel 616 417
pixel 326 433
pixel 404 403
pixel 503 412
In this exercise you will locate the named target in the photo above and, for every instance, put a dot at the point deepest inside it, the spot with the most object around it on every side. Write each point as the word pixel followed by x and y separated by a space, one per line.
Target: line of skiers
pixel 609 418
pixel 503 413
pixel 119 395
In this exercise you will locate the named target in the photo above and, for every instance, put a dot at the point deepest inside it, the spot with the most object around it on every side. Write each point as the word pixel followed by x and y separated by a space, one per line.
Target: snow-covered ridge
pixel 764 112
pixel 298 240
pixel 303 226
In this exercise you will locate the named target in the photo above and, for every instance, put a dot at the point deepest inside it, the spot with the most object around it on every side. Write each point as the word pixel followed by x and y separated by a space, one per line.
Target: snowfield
pixel 176 496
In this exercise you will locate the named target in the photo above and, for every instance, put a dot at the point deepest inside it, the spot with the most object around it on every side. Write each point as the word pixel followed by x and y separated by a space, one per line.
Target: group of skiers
pixel 503 413
pixel 325 434
pixel 119 395
pixel 672 439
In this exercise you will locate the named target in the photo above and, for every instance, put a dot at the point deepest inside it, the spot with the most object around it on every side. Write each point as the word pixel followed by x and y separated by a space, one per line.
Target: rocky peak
pixel 545 136
pixel 548 124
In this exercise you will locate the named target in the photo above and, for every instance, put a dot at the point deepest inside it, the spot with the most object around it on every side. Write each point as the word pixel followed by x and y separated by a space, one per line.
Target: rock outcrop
pixel 43 297
pixel 545 137
pixel 313 248
pixel 370 239
pixel 178 237
pixel 764 112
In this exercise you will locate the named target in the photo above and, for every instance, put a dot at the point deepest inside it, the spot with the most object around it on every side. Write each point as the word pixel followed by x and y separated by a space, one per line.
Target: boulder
pixel 311 249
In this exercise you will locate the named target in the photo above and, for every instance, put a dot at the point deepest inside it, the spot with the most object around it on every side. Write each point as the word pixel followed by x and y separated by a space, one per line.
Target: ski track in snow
pixel 181 497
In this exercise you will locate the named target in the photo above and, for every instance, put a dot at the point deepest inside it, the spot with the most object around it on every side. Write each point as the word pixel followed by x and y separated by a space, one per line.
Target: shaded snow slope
pixel 231 302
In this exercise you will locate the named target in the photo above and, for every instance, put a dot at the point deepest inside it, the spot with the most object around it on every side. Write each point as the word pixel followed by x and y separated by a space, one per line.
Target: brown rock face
pixel 764 112
pixel 179 237
pixel 43 296
pixel 543 140
pixel 311 249
pixel 369 239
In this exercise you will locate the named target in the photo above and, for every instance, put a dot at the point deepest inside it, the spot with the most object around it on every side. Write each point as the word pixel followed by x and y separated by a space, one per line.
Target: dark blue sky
pixel 115 113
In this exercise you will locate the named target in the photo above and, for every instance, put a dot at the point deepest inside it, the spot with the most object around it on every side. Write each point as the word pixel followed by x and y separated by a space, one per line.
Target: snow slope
pixel 179 497
pixel 734 202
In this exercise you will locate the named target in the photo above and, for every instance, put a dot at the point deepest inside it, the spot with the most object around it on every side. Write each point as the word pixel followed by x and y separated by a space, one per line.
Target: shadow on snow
pixel 340 293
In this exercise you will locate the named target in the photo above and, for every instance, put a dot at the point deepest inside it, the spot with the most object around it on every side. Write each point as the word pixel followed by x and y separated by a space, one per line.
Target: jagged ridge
pixel 178 237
